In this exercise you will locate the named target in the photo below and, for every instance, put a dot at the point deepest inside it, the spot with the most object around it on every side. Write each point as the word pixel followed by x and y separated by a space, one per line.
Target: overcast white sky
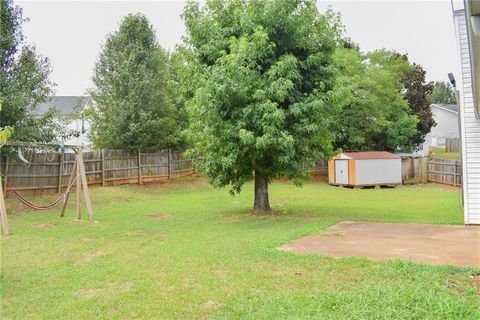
pixel 70 33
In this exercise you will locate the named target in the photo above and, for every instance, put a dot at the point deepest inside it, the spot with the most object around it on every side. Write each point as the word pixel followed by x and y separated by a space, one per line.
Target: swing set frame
pixel 78 174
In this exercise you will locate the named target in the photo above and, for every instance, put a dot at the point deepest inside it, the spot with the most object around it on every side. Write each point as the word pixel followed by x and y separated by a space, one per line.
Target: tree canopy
pixel 132 108
pixel 381 100
pixel 417 92
pixel 260 104
pixel 24 82
pixel 443 93
pixel 5 132
pixel 370 111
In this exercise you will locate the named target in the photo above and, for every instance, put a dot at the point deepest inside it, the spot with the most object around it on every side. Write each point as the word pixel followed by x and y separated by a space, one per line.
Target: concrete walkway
pixel 426 243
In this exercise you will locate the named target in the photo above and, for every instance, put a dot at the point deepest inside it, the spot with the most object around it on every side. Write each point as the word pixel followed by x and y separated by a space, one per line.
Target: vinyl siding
pixel 447 126
pixel 470 128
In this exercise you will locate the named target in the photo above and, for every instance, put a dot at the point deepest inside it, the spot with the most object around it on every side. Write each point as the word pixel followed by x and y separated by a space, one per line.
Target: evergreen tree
pixel 132 108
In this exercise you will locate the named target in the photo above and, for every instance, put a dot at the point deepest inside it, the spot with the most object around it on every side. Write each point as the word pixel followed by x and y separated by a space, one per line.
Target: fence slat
pixel 60 167
pixel 5 178
pixel 139 165
pixel 103 168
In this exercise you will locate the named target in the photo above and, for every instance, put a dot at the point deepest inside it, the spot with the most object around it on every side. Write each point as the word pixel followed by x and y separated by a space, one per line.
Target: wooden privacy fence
pixel 452 145
pixel 431 169
pixel 51 171
pixel 414 170
pixel 318 168
pixel 445 171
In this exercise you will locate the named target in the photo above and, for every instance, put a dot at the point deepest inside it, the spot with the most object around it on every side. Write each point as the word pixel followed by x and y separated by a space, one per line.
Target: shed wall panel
pixel 378 171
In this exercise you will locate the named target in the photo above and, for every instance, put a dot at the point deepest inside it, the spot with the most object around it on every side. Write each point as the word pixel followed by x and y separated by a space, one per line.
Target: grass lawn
pixel 440 152
pixel 213 260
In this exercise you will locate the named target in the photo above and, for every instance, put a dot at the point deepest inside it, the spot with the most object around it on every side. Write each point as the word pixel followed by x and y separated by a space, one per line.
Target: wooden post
pixel 79 202
pixel 103 168
pixel 455 175
pixel 86 193
pixel 5 180
pixel 139 167
pixel 70 181
pixel 3 212
pixel 60 172
pixel 169 163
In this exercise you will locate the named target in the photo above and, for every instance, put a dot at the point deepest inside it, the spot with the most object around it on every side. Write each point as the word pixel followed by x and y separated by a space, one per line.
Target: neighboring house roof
pixel 448 107
pixel 65 105
pixel 362 155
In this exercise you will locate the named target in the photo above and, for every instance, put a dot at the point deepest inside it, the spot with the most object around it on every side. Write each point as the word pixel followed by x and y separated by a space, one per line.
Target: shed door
pixel 341 171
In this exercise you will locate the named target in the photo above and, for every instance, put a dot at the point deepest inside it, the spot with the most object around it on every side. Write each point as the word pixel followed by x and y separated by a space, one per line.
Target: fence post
pixel 5 177
pixel 455 175
pixel 103 167
pixel 139 167
pixel 169 163
pixel 60 172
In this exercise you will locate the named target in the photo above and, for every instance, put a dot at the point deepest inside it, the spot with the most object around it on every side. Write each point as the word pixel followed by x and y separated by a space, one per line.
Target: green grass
pixel 214 260
pixel 440 152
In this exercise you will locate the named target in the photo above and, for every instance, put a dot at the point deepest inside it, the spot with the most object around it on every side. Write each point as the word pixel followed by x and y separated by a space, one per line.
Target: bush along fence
pixel 51 171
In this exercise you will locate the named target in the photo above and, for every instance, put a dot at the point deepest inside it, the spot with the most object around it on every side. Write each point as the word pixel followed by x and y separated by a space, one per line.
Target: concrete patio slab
pixel 426 243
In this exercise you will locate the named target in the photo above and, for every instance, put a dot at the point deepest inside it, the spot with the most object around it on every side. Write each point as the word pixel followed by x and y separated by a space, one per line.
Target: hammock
pixel 34 206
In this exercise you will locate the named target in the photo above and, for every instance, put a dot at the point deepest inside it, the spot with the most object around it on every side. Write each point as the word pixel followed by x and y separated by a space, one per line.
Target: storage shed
pixel 369 168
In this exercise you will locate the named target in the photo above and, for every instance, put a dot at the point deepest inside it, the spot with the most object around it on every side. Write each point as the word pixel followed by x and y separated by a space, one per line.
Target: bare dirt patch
pixel 426 243
pixel 108 290
pixel 211 305
pixel 158 215
pixel 89 257
pixel 90 293
pixel 310 217
pixel 45 225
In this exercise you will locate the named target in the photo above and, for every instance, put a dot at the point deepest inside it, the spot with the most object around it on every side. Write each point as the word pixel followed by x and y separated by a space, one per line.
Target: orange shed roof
pixel 362 155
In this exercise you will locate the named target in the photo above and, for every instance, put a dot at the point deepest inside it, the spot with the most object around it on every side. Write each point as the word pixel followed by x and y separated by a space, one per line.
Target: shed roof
pixel 363 155
pixel 65 105
pixel 448 107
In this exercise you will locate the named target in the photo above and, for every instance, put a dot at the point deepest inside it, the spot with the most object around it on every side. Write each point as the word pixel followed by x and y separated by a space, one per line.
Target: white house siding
pixel 470 128
pixel 447 126
pixel 378 171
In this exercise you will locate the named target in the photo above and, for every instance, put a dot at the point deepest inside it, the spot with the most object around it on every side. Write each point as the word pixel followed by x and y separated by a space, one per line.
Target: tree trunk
pixel 261 205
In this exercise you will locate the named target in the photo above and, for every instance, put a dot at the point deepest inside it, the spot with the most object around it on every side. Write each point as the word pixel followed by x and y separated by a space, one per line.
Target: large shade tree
pixel 132 108
pixel 24 82
pixel 260 106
